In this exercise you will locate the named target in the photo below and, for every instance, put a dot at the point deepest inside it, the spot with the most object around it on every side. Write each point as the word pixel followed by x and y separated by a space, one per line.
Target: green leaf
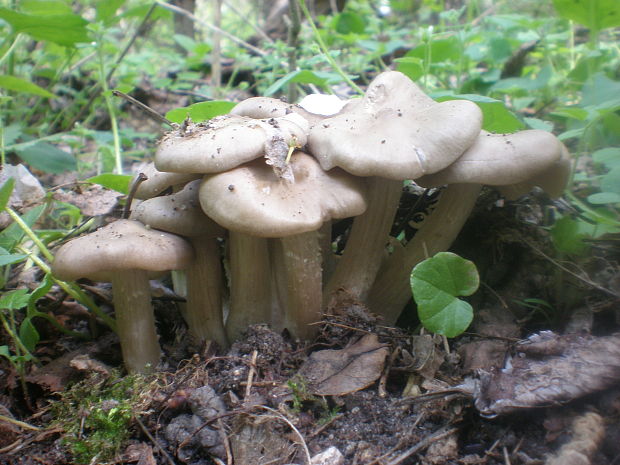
pixel 595 14
pixel 496 117
pixel 571 112
pixel 11 235
pixel 14 300
pixel 412 67
pixel 47 157
pixel 21 85
pixel 106 9
pixel 28 334
pixel 602 198
pixel 610 157
pixel 611 181
pixel 4 352
pixel 45 7
pixel 536 123
pixel 9 258
pixel 349 22
pixel 303 76
pixel 63 29
pixel 436 282
pixel 441 50
pixel 568 234
pixel 5 192
pixel 116 182
pixel 200 111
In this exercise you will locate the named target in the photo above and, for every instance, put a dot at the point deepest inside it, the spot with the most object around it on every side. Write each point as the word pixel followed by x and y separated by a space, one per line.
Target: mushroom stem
pixel 297 262
pixel 391 291
pixel 357 268
pixel 135 320
pixel 250 286
pixel 204 292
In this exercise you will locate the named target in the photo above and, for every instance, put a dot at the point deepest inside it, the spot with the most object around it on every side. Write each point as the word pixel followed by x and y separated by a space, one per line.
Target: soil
pixel 206 407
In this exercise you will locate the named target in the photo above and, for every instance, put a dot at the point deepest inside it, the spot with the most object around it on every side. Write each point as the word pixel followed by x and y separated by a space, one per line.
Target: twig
pixel 293 34
pixel 279 416
pixel 506 457
pixel 244 18
pixel 423 444
pixel 228 35
pixel 323 47
pixel 148 110
pixel 97 87
pixel 572 273
pixel 21 424
pixel 248 387
pixel 154 441
pixel 132 193
pixel 325 425
pixel 216 51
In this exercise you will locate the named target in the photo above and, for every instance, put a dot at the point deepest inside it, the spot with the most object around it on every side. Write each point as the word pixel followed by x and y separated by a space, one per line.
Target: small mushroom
pixel 181 214
pixel 264 205
pixel 123 253
pixel 506 161
pixel 225 142
pixel 158 181
pixel 394 133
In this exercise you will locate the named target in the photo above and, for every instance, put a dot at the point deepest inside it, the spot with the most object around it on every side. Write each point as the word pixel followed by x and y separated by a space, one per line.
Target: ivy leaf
pixel 14 300
pixel 202 111
pixel 436 282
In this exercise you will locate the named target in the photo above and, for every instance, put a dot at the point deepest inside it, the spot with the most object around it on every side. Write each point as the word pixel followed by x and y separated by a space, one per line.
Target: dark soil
pixel 206 407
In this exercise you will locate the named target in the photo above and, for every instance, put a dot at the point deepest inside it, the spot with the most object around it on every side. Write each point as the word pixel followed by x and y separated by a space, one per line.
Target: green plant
pixel 96 415
pixel 436 284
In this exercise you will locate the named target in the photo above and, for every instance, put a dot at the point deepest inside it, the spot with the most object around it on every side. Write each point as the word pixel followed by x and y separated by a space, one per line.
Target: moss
pixel 96 415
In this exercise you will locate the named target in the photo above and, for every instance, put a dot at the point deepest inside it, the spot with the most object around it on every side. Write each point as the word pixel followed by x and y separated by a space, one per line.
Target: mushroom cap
pixel 158 181
pixel 122 245
pixel 225 142
pixel 178 213
pixel 267 107
pixel 253 200
pixel 522 159
pixel 395 132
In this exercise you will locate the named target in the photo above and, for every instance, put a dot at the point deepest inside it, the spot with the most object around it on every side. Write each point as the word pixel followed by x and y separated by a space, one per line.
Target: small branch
pixel 18 423
pixel 235 39
pixel 148 110
pixel 154 441
pixel 423 444
pixel 244 18
pixel 132 193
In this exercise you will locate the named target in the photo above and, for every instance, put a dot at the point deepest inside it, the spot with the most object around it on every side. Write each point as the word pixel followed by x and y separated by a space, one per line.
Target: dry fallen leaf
pixel 339 372
pixel 550 370
pixel 93 200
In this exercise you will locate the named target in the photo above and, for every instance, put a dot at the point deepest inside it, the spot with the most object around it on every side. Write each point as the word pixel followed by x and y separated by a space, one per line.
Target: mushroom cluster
pixel 255 192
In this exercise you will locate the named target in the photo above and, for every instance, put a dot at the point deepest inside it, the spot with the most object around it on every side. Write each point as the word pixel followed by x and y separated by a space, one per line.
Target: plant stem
pixel 9 52
pixel 72 289
pixel 19 345
pixel 118 162
pixel 325 51
pixel 30 233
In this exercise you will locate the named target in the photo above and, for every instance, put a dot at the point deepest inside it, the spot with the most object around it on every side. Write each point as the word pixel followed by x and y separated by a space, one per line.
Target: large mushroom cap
pixel 158 181
pixel 178 213
pixel 226 142
pixel 396 132
pixel 524 158
pixel 253 200
pixel 122 245
pixel 266 107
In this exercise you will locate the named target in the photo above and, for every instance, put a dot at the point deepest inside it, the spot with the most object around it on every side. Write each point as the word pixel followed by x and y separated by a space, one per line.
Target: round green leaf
pixel 436 282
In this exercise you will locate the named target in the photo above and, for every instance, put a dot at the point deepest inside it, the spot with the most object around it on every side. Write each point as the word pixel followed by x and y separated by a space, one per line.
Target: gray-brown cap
pixel 396 132
pixel 178 213
pixel 266 107
pixel 516 162
pixel 158 181
pixel 226 141
pixel 253 200
pixel 122 245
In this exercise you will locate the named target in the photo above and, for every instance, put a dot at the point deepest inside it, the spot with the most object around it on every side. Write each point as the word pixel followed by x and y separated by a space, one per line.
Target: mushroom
pixel 158 181
pixel 254 202
pixel 227 141
pixel 123 253
pixel 181 214
pixel 394 133
pixel 507 161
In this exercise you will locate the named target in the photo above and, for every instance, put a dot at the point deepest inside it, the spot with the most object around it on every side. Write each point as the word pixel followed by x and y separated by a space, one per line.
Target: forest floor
pixel 377 394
